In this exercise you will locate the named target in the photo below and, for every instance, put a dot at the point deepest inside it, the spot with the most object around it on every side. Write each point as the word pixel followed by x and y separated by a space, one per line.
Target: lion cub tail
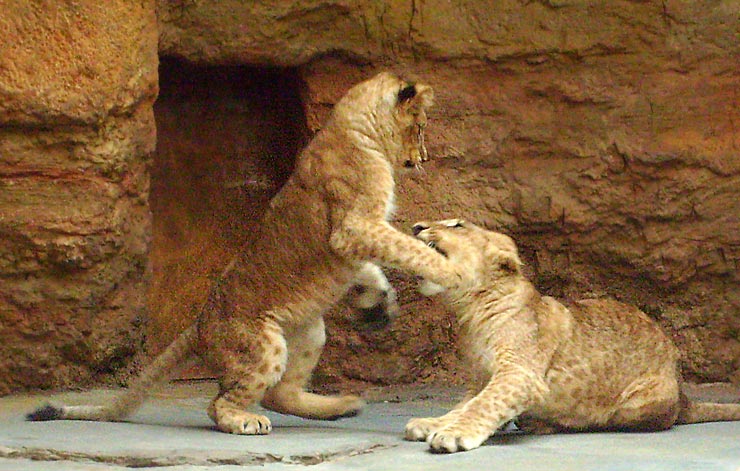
pixel 696 412
pixel 130 400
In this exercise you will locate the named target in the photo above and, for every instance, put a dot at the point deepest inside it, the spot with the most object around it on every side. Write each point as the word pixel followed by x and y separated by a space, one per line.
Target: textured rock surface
pixel 602 135
pixel 77 82
pixel 601 201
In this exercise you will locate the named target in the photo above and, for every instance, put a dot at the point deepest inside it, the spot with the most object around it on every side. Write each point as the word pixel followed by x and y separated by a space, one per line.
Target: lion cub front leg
pixel 511 391
pixel 359 238
pixel 418 429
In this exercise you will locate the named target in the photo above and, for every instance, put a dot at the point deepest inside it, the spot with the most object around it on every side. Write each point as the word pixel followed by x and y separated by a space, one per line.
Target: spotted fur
pixel 261 329
pixel 594 365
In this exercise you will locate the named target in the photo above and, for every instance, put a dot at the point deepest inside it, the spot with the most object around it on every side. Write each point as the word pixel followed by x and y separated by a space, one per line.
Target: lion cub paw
pixel 244 423
pixel 452 439
pixel 419 429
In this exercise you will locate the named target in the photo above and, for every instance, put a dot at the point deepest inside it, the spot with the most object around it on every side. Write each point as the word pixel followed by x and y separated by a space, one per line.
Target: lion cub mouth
pixel 436 247
pixel 421 231
pixel 418 154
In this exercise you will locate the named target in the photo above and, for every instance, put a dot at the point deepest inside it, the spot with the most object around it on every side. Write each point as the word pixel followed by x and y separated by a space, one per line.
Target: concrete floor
pixel 172 431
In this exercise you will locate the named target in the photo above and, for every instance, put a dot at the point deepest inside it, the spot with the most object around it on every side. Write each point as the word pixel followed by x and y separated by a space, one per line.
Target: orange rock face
pixel 615 181
pixel 603 136
pixel 77 83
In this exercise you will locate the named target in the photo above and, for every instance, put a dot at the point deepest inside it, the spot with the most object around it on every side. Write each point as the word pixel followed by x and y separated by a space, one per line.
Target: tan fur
pixel 595 365
pixel 261 328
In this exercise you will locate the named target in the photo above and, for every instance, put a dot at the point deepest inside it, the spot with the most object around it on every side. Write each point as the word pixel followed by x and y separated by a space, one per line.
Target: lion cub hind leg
pixel 251 367
pixel 289 397
pixel 649 404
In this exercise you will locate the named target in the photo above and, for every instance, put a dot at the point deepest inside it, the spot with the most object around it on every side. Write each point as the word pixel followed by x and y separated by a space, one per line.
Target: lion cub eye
pixel 458 224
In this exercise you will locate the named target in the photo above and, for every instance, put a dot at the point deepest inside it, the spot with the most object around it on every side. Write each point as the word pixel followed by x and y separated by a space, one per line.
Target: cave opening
pixel 227 138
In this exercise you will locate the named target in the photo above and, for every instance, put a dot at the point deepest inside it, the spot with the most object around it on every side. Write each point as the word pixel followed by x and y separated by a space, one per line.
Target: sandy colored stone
pixel 602 135
pixel 74 63
pixel 77 83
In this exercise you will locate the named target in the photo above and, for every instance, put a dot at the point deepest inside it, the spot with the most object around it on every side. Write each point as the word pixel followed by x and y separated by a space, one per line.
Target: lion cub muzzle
pixel 417 151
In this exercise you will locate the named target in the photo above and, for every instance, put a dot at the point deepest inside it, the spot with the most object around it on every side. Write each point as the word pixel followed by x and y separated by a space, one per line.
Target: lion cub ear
pixel 509 262
pixel 415 95
pixel 407 93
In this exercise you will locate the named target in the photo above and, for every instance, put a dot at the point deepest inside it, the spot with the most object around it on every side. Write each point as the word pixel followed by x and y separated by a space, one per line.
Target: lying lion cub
pixel 596 365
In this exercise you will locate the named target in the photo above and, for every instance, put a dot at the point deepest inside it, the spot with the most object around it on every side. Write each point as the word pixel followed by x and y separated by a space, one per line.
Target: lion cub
pixel 595 365
pixel 261 328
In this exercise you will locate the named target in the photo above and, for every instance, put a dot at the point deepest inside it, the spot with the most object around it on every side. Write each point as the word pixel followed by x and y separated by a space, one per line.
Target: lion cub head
pixel 388 115
pixel 491 257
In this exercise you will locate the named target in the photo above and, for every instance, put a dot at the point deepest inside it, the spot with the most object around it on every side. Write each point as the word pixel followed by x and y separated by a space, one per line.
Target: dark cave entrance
pixel 227 137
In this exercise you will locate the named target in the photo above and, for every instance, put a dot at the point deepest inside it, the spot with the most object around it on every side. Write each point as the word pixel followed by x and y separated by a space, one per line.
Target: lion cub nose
pixel 418 228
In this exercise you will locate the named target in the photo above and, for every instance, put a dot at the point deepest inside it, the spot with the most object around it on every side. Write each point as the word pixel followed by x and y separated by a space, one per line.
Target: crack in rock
pixel 347 453
pixel 150 461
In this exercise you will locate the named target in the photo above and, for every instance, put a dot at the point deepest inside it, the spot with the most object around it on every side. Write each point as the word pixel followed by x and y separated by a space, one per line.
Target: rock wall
pixel 602 135
pixel 77 83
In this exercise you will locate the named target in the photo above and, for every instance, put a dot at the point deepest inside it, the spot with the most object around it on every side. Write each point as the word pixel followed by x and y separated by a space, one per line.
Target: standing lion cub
pixel 596 365
pixel 261 329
